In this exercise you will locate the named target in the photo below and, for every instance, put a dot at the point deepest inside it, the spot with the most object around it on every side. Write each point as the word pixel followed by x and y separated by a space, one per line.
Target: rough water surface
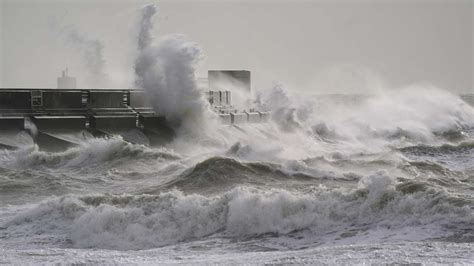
pixel 317 184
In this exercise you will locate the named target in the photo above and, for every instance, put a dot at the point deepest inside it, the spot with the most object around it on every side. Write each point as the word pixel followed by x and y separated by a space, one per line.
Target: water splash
pixel 166 70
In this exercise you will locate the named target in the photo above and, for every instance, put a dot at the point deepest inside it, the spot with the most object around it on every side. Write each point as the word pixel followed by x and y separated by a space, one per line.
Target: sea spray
pixel 348 79
pixel 166 70
pixel 287 112
pixel 409 115
pixel 145 37
pixel 307 187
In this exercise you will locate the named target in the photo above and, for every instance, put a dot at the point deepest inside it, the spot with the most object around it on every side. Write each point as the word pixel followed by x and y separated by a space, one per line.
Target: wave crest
pixel 146 221
pixel 94 152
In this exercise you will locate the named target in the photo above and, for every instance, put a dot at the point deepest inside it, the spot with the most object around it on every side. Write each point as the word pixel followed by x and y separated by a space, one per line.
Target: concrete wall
pixel 238 118
pixel 152 121
pixel 12 123
pixel 107 99
pixel 216 98
pixel 17 99
pixel 225 119
pixel 228 98
pixel 253 117
pixel 139 99
pixel 113 122
pixel 264 116
pixel 59 122
pixel 62 99
pixel 219 98
pixel 156 129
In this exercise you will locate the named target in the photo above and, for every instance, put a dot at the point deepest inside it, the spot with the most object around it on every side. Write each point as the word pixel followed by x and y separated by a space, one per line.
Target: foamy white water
pixel 384 178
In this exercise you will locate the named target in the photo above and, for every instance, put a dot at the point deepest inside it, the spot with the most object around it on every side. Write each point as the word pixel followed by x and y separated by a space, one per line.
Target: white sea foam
pixel 407 116
pixel 310 136
pixel 146 221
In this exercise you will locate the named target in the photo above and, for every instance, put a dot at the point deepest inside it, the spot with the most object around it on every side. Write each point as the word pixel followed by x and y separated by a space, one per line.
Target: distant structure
pixel 219 98
pixel 229 78
pixel 220 86
pixel 66 82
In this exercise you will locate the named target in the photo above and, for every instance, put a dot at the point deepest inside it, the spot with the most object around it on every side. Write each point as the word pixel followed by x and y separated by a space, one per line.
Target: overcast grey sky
pixel 329 46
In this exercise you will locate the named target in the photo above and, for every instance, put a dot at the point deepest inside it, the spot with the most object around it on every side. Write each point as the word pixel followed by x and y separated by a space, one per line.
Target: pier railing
pixel 44 101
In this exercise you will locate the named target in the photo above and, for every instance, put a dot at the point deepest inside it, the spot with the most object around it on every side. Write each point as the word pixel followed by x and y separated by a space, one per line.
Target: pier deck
pixel 60 118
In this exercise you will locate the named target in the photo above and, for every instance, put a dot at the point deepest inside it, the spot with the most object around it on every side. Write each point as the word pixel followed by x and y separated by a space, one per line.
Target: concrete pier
pixel 253 117
pixel 156 128
pixel 238 118
pixel 56 133
pixel 63 118
pixel 225 119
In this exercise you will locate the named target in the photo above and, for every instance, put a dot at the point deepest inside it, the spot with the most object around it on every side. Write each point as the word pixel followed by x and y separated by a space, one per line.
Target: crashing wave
pixel 148 221
pixel 94 152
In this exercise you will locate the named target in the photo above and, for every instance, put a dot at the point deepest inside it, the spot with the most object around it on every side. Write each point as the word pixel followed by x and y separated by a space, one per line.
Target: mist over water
pixel 330 179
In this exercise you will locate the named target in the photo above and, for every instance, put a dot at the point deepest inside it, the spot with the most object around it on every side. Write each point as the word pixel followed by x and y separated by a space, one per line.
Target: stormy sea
pixel 379 178
pixel 330 179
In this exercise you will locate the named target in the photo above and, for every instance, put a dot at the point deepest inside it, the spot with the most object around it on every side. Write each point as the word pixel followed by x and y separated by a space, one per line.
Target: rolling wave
pixel 92 153
pixel 220 173
pixel 147 221
pixel 427 150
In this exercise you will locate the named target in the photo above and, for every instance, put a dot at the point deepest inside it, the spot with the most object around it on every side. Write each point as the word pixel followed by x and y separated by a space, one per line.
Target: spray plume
pixel 167 73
